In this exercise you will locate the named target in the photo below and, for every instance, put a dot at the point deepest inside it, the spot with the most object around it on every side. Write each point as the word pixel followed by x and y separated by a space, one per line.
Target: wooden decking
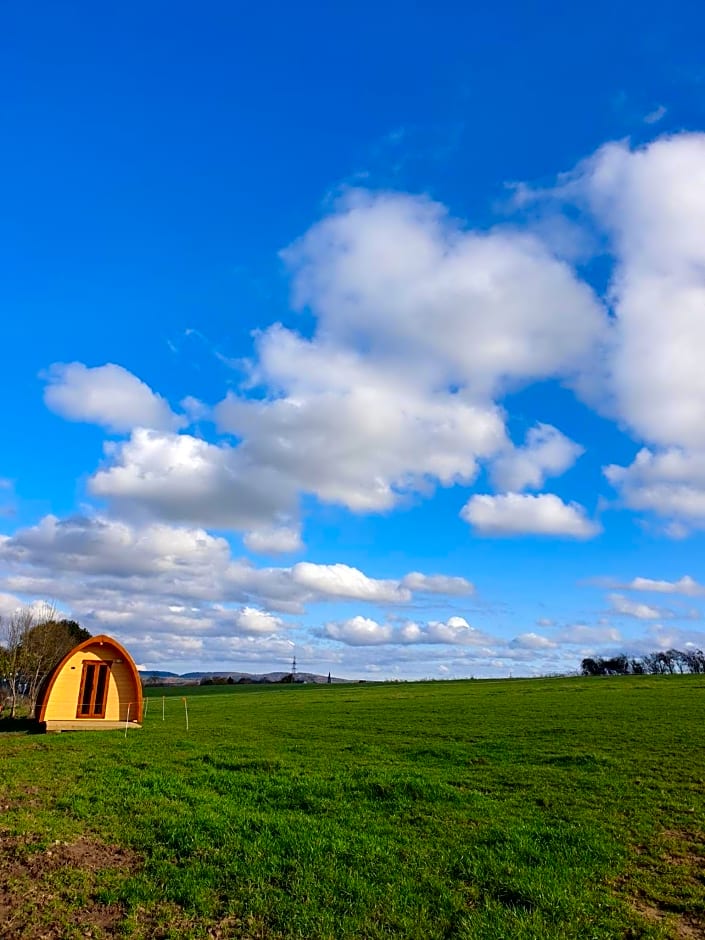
pixel 86 724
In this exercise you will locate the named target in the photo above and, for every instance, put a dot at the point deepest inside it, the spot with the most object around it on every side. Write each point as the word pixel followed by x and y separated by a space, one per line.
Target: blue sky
pixel 372 334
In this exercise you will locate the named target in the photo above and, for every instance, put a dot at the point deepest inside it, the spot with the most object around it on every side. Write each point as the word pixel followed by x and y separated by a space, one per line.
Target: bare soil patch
pixel 35 905
pixel 680 926
pixel 682 858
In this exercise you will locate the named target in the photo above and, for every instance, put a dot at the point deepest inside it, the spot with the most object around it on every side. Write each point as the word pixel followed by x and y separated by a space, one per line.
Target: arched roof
pixel 101 640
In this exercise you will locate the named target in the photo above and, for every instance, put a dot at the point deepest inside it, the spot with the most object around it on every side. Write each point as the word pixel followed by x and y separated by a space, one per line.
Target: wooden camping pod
pixel 96 686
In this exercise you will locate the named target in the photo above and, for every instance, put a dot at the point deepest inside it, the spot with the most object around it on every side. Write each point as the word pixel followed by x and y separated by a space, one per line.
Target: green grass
pixel 500 810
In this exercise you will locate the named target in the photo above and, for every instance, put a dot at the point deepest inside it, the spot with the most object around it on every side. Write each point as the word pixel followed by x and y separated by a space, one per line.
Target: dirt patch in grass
pixel 680 926
pixel 86 854
pixel 683 848
pixel 38 888
pixel 665 879
pixel 168 921
pixel 29 798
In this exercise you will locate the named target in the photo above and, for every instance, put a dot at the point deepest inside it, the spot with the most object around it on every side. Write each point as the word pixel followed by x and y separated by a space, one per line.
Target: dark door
pixel 94 690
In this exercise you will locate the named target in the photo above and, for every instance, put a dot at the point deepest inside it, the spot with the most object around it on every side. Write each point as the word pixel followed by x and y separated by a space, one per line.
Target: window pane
pixel 100 691
pixel 88 682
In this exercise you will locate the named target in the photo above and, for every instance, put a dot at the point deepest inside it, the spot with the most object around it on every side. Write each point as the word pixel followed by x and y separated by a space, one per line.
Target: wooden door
pixel 93 695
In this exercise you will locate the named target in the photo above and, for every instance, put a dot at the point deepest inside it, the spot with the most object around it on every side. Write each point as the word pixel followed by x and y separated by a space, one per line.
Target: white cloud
pixel 250 620
pixel 580 634
pixel 685 585
pixel 353 432
pixel 109 396
pixel 651 200
pixel 455 631
pixel 195 409
pixel 523 514
pixel 437 584
pixel 108 547
pixel 342 581
pixel 532 641
pixel 363 631
pixel 180 478
pixel 669 483
pixel 11 604
pixel 650 203
pixel 395 274
pixel 420 324
pixel 214 653
pixel 622 605
pixel 546 453
pixel 274 541
pixel 359 631
pixel 131 579
pixel 659 637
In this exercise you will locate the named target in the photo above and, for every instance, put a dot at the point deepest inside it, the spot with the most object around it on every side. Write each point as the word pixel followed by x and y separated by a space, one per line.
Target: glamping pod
pixel 96 686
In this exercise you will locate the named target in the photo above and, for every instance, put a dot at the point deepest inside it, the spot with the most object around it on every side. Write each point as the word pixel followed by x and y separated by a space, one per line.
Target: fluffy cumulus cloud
pixel 669 483
pixel 10 605
pixel 185 563
pixel 181 478
pixel 546 453
pixel 154 578
pixel 363 631
pixel 342 581
pixel 161 579
pixel 455 631
pixel 109 396
pixel 525 514
pixel 685 585
pixel 661 637
pixel 359 631
pixel 356 434
pixel 651 201
pixel 396 275
pixel 421 323
pixel 628 608
pixel 109 547
pixel 274 540
pixel 437 584
pixel 253 621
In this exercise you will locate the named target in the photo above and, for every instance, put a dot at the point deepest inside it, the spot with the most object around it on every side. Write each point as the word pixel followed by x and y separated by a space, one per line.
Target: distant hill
pixel 192 678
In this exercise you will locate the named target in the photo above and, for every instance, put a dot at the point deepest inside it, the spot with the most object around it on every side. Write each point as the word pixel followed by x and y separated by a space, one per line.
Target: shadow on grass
pixel 20 726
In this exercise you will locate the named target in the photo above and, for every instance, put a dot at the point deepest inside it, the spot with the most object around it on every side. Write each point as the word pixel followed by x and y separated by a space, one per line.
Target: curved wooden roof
pixel 101 640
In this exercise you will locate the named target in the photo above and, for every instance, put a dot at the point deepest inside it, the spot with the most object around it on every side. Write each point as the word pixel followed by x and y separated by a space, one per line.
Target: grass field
pixel 563 808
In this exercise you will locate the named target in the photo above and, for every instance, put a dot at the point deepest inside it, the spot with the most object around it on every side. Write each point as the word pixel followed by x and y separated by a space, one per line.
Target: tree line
pixel 32 643
pixel 661 663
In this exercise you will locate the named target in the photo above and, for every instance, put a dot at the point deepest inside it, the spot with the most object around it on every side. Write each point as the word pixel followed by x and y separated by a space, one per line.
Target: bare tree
pixel 13 630
pixel 32 642
pixel 45 645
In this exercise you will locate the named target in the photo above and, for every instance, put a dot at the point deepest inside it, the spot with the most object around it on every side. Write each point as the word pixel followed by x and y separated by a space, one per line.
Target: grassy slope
pixel 488 810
